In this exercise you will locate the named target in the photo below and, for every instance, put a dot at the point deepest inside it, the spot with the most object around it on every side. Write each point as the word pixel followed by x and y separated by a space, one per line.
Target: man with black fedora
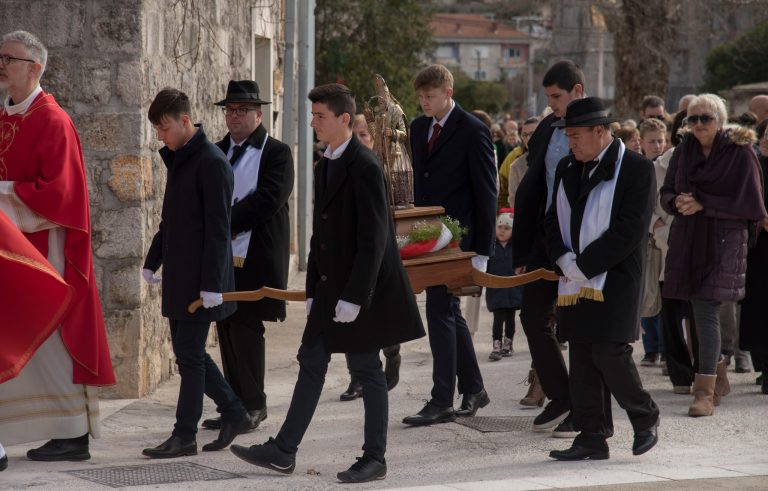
pixel 263 171
pixel 596 229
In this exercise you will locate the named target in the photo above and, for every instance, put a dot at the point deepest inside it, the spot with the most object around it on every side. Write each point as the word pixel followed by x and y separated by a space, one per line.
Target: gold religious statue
pixel 387 124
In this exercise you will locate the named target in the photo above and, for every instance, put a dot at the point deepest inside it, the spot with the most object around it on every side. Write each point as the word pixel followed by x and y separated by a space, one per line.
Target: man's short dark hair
pixel 565 74
pixel 337 97
pixel 169 102
pixel 651 101
pixel 433 77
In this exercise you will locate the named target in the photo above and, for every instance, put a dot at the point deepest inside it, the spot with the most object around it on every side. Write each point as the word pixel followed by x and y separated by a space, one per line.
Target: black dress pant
pixel 313 365
pixel 199 375
pixel 599 370
pixel 389 352
pixel 243 358
pixel 681 367
pixel 537 307
pixel 453 354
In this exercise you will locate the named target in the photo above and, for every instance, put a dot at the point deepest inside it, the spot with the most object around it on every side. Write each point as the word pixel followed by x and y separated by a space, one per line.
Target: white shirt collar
pixel 21 107
pixel 336 153
pixel 602 154
pixel 444 118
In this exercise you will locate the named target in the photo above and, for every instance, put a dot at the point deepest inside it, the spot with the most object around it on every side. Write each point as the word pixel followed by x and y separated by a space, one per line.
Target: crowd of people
pixel 657 227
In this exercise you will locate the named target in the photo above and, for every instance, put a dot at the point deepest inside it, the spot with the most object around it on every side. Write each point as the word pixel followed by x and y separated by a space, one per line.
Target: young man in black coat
pixel 263 171
pixel 193 247
pixel 563 83
pixel 597 231
pixel 359 299
pixel 454 167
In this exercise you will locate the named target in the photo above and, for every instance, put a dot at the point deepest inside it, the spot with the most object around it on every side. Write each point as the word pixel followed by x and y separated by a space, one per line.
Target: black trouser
pixel 242 357
pixel 313 364
pixel 503 324
pixel 389 352
pixel 538 304
pixel 453 354
pixel 679 364
pixel 199 375
pixel 759 359
pixel 599 370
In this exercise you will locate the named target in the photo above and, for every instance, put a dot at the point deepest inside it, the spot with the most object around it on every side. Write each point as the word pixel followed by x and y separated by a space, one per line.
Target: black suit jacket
pixel 193 241
pixel 531 202
pixel 354 257
pixel 459 175
pixel 265 213
pixel 620 251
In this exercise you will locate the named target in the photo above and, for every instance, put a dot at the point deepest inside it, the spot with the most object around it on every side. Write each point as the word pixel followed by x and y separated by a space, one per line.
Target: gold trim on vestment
pixel 238 262
pixel 584 292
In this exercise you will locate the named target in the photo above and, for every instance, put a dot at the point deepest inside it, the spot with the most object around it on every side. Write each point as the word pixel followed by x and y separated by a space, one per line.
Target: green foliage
pixel 491 97
pixel 424 231
pixel 457 231
pixel 359 38
pixel 737 62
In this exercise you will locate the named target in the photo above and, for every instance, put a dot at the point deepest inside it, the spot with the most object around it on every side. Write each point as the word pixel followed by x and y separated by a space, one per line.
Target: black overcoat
pixel 193 241
pixel 531 202
pixel 500 264
pixel 620 251
pixel 265 213
pixel 354 257
pixel 459 175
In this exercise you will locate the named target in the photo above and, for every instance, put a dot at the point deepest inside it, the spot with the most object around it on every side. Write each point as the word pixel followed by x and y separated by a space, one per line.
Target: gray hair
pixel 35 48
pixel 714 104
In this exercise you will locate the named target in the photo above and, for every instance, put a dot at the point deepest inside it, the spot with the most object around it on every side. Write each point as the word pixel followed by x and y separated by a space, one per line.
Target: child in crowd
pixel 503 302
pixel 653 140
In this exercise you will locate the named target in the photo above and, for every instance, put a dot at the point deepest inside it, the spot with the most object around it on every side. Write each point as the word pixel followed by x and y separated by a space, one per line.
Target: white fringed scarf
pixel 595 222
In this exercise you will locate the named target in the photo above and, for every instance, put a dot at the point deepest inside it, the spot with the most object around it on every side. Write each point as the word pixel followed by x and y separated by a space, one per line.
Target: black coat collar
pixel 605 171
pixel 255 139
pixel 327 190
pixel 189 150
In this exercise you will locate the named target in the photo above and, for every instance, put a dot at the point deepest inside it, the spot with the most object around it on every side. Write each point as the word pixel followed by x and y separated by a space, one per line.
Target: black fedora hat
pixel 589 111
pixel 242 91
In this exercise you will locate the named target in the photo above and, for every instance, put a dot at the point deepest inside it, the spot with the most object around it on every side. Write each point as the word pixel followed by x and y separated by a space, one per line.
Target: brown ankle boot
pixel 722 386
pixel 703 393
pixel 535 396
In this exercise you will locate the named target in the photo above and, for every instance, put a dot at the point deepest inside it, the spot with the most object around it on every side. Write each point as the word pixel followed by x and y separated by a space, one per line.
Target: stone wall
pixel 107 60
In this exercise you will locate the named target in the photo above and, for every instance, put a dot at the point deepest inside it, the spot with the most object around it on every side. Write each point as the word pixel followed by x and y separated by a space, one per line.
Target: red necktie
pixel 435 133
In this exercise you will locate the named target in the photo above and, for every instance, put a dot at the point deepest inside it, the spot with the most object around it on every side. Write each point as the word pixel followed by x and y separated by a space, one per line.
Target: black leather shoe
pixel 392 370
pixel 354 391
pixel 577 452
pixel 365 469
pixel 267 455
pixel 257 416
pixel 71 449
pixel 212 423
pixel 645 440
pixel 228 433
pixel 171 448
pixel 431 415
pixel 3 463
pixel 470 403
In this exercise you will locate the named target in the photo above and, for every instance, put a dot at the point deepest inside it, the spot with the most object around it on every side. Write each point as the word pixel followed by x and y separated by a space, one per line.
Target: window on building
pixel 446 51
pixel 480 75
pixel 511 52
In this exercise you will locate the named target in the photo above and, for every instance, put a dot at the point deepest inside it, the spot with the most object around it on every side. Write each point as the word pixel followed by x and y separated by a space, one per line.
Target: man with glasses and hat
pixel 263 170
pixel 596 229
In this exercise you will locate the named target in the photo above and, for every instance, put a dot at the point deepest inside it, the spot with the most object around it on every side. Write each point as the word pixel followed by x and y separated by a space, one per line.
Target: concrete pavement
pixel 729 450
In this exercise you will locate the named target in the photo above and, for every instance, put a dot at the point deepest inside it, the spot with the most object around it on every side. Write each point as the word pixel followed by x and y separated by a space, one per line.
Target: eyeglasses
pixel 240 111
pixel 526 134
pixel 704 119
pixel 656 116
pixel 7 59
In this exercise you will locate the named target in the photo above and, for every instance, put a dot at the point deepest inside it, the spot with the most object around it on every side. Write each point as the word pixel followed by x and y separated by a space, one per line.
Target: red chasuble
pixel 33 303
pixel 40 151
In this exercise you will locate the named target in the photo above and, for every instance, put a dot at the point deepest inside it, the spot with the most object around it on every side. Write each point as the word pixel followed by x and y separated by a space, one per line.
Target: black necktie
pixel 237 151
pixel 587 171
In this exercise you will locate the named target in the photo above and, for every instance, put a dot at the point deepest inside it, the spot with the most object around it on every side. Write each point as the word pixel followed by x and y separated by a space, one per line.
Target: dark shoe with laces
pixel 257 416
pixel 470 403
pixel 3 463
pixel 742 365
pixel 646 439
pixel 565 429
pixel 554 414
pixel 267 455
pixel 70 449
pixel 431 414
pixel 172 448
pixel 649 360
pixel 228 433
pixel 354 391
pixel 577 452
pixel 212 423
pixel 364 470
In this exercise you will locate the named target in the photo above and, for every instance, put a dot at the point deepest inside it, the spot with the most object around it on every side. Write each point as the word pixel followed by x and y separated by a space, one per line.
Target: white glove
pixel 6 187
pixel 480 263
pixel 211 299
pixel 346 312
pixel 309 306
pixel 150 276
pixel 567 263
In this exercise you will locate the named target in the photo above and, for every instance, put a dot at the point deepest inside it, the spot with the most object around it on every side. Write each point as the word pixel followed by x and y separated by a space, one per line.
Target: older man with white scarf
pixel 597 227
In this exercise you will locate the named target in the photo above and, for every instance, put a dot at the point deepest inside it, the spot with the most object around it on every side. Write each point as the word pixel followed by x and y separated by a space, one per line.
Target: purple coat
pixel 707 256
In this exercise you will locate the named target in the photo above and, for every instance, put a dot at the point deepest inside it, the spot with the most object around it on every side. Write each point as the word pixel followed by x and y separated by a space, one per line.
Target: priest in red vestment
pixel 43 191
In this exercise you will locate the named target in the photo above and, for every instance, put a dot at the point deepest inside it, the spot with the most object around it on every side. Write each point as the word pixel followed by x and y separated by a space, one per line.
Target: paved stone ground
pixel 727 451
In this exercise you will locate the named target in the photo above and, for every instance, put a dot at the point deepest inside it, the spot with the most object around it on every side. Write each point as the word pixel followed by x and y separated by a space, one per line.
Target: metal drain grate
pixel 488 424
pixel 141 475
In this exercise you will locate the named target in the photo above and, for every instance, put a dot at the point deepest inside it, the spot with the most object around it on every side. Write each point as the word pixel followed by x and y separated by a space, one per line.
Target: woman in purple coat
pixel 713 189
